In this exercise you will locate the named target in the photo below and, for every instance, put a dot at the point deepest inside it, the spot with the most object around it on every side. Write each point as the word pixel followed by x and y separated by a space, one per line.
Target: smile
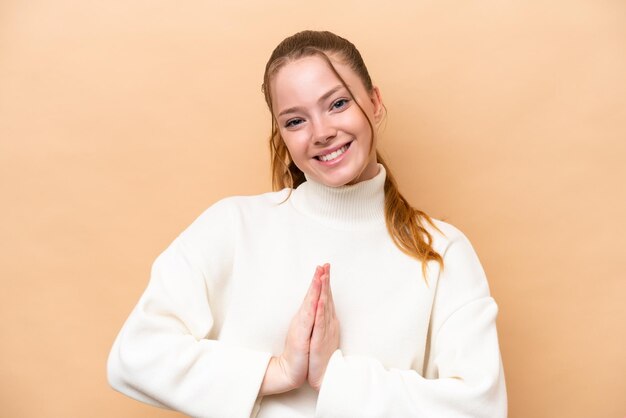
pixel 333 155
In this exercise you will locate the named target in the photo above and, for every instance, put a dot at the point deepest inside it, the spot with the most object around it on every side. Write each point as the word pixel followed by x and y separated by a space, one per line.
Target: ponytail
pixel 406 225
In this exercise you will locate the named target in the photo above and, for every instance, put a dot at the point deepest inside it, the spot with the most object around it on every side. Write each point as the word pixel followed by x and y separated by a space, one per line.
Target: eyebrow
pixel 321 99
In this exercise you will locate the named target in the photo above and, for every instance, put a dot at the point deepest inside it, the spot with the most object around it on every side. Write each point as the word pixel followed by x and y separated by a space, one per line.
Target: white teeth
pixel 334 154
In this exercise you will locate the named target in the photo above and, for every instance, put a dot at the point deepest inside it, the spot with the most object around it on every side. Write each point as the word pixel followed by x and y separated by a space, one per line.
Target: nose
pixel 323 131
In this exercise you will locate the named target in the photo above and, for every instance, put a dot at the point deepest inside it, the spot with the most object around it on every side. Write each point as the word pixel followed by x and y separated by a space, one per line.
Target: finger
pixel 326 268
pixel 309 306
pixel 319 271
pixel 326 290
pixel 319 328
pixel 328 306
pixel 331 300
pixel 315 288
pixel 320 303
pixel 323 313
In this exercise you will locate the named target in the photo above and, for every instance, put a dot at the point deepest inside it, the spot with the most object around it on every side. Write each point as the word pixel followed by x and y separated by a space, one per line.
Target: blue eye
pixel 339 104
pixel 293 122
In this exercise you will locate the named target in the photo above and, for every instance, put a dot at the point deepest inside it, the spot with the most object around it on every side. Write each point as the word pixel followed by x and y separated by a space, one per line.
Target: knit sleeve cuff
pixel 242 372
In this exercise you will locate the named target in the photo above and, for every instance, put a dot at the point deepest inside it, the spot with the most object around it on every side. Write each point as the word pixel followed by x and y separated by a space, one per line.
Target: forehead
pixel 308 78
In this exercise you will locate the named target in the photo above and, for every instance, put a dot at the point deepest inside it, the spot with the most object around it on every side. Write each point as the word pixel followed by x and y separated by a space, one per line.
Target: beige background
pixel 121 121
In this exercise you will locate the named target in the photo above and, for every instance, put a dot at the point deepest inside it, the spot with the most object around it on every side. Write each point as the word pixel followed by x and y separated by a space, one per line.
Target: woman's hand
pixel 289 370
pixel 325 336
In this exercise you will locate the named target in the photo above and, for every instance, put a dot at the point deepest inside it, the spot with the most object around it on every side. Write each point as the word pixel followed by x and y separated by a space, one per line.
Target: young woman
pixel 396 321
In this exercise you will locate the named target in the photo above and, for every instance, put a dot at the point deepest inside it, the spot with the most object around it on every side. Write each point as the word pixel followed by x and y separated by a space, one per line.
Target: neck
pixel 348 207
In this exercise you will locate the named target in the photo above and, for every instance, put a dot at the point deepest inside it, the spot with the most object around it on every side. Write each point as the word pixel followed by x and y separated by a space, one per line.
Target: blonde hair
pixel 405 224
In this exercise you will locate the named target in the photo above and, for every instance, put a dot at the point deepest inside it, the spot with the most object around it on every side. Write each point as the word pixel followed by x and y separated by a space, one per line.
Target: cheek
pixel 296 144
pixel 357 121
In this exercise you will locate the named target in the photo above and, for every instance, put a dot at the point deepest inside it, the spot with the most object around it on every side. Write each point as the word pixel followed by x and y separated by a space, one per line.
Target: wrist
pixel 317 383
pixel 277 379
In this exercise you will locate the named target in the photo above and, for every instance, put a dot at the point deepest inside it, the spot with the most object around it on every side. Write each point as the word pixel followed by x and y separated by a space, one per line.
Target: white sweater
pixel 222 295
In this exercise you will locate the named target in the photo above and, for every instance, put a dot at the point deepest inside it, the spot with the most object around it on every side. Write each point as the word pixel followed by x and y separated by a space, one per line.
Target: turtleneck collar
pixel 350 207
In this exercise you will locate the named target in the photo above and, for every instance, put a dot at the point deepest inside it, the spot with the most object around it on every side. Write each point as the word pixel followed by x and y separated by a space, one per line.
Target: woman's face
pixel 327 135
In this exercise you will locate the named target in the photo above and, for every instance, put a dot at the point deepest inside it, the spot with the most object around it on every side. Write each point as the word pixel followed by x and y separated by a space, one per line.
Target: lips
pixel 333 154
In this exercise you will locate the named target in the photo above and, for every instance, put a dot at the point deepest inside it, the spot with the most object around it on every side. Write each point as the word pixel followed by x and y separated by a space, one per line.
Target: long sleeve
pixel 166 354
pixel 463 374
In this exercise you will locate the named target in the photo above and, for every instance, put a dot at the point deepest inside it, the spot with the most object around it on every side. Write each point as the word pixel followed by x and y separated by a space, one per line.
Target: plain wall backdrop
pixel 121 121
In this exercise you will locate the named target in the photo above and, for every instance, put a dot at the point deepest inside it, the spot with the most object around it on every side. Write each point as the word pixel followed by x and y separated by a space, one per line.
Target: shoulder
pixel 263 200
pixel 220 221
pixel 229 212
pixel 463 274
pixel 228 206
pixel 444 235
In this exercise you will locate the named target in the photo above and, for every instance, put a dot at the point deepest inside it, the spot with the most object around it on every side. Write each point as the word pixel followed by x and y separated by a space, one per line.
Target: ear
pixel 377 102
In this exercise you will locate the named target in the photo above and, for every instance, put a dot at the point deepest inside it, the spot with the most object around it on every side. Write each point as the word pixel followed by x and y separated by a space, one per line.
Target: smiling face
pixel 327 135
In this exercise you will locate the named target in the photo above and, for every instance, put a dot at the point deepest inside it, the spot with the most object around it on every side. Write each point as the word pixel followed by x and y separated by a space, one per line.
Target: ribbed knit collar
pixel 352 207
